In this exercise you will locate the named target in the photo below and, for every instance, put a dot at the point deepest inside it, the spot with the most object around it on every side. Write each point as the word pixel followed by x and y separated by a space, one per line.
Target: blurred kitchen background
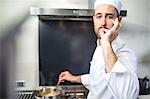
pixel 19 56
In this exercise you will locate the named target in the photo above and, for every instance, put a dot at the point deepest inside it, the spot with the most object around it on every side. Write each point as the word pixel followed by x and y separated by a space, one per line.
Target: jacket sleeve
pixel 85 79
pixel 123 80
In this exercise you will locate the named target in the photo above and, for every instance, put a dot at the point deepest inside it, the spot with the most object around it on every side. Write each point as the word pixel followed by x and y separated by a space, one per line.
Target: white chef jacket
pixel 120 83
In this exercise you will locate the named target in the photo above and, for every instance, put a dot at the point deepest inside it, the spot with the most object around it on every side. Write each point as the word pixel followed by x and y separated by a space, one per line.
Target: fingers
pixel 66 75
pixel 108 35
pixel 117 24
pixel 103 31
pixel 62 77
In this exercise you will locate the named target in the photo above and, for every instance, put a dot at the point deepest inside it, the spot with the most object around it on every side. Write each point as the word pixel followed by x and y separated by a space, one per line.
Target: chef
pixel 113 68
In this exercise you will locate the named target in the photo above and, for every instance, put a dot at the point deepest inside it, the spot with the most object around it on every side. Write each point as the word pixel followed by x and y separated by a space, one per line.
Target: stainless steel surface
pixel 74 92
pixel 61 12
pixel 71 18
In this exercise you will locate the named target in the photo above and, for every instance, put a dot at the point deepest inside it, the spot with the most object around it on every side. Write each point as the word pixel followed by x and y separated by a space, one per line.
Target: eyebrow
pixel 105 13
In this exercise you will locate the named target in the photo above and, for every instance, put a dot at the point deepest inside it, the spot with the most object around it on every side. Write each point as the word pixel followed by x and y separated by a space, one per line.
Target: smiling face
pixel 104 17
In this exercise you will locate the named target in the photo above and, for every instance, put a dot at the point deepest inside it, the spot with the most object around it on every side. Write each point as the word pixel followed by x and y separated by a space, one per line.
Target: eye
pixel 98 16
pixel 110 17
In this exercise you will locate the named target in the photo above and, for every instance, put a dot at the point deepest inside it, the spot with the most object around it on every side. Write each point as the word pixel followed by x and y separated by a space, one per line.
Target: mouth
pixel 99 29
pixel 103 28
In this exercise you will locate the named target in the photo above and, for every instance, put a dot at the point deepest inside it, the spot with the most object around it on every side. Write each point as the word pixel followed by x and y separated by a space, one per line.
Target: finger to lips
pixel 104 30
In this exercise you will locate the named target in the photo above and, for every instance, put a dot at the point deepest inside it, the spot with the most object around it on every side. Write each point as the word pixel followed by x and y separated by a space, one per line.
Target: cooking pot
pixel 49 93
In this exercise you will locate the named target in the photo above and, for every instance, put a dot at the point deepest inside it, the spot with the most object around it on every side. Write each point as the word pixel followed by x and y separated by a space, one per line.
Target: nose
pixel 103 21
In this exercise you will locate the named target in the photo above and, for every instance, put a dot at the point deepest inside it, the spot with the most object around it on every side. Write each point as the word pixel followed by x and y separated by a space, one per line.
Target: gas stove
pixel 68 92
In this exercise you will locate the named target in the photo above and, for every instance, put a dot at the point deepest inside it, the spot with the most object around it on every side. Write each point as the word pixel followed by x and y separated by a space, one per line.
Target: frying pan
pixel 49 93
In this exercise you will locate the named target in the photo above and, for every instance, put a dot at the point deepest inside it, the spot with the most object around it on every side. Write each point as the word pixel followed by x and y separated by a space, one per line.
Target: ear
pixel 119 18
pixel 93 17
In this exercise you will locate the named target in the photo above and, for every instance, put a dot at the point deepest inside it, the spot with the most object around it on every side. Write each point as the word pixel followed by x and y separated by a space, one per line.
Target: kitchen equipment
pixel 67 92
pixel 49 93
pixel 144 85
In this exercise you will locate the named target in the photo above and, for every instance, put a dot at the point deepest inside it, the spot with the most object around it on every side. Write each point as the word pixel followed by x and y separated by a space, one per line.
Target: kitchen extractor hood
pixel 66 14
pixel 62 14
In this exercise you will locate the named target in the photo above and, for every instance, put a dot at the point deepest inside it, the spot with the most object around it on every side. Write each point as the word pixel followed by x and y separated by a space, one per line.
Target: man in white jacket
pixel 113 67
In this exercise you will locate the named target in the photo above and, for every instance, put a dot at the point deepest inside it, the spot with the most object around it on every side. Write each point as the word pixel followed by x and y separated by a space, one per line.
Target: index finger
pixel 116 24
